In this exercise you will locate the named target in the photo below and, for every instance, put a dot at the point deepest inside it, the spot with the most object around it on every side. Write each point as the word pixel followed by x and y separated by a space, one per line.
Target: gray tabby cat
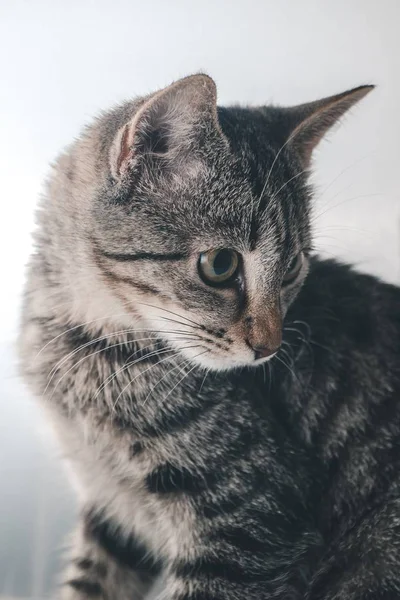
pixel 228 403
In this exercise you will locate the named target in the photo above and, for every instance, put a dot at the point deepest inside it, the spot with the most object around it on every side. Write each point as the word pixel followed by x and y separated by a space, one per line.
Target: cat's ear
pixel 167 124
pixel 305 125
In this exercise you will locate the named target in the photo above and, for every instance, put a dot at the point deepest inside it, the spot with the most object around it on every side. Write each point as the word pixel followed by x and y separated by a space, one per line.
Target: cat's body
pixel 280 481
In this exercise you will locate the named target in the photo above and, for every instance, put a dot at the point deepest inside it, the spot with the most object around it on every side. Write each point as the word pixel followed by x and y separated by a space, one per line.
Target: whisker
pixel 111 377
pixel 295 330
pixel 306 325
pixel 287 183
pixel 156 332
pixel 142 373
pixel 204 379
pixel 290 138
pixel 351 166
pixel 126 366
pixel 347 228
pixel 71 354
pixel 113 315
pixel 287 355
pixel 321 205
pixel 90 356
pixel 324 347
pixel 352 199
pixel 170 312
pixel 184 377
pixel 180 323
pixel 286 365
pixel 270 375
pixel 184 362
pixel 83 325
pixel 264 373
pixel 99 339
pixel 310 340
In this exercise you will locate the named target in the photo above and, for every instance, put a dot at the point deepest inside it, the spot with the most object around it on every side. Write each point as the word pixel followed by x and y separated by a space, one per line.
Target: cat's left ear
pixel 305 125
pixel 167 127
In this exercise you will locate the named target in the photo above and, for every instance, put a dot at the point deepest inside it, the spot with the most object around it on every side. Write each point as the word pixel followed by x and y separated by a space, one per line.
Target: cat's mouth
pixel 250 341
pixel 222 359
pixel 222 350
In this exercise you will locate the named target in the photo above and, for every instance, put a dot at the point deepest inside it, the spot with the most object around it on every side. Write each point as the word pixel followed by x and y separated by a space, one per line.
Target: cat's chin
pixel 212 362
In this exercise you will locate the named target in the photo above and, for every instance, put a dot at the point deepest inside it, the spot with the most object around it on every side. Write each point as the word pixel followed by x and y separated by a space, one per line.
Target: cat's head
pixel 202 225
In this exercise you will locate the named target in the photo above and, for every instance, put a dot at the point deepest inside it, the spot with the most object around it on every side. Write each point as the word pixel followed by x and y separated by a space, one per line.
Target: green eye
pixel 293 270
pixel 218 266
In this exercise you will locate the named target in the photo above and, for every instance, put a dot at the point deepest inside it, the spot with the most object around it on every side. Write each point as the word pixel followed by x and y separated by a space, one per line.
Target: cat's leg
pixel 103 567
pixel 365 563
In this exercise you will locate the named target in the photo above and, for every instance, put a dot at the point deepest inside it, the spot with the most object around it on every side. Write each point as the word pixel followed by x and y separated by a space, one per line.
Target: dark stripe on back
pixel 130 350
pixel 128 551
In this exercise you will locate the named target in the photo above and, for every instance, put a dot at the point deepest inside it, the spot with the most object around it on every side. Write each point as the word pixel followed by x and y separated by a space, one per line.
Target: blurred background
pixel 62 62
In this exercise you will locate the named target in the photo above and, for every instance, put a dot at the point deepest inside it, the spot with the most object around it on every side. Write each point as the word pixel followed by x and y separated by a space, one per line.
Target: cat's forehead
pixel 227 197
pixel 203 210
pixel 232 190
pixel 219 209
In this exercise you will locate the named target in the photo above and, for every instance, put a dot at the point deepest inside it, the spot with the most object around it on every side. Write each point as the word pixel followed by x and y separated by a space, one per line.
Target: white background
pixel 61 62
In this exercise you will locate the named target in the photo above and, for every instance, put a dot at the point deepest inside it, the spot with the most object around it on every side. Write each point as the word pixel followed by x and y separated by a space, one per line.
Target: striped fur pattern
pixel 205 472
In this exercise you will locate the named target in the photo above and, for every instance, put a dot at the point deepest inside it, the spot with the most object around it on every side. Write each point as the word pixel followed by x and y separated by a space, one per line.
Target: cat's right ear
pixel 302 127
pixel 166 125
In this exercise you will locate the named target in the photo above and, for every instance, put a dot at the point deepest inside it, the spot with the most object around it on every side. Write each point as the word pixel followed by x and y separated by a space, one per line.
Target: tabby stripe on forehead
pixel 144 256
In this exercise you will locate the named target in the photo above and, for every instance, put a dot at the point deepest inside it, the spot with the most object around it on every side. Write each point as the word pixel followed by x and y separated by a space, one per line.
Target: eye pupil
pixel 219 266
pixel 222 262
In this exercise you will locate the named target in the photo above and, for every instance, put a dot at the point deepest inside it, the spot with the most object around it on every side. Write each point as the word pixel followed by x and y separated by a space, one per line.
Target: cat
pixel 228 401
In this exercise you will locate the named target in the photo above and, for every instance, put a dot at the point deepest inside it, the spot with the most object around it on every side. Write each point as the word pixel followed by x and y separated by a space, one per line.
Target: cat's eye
pixel 293 269
pixel 217 267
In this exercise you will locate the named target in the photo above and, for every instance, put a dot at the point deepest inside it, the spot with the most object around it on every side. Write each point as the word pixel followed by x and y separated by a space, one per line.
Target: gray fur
pixel 141 366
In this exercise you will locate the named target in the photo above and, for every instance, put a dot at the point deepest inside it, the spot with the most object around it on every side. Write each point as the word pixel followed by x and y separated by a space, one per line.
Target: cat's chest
pixel 164 523
pixel 135 466
pixel 113 472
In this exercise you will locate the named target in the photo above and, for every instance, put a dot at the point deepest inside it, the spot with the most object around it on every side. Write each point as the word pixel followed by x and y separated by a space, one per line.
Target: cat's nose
pixel 264 330
pixel 264 351
pixel 265 337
